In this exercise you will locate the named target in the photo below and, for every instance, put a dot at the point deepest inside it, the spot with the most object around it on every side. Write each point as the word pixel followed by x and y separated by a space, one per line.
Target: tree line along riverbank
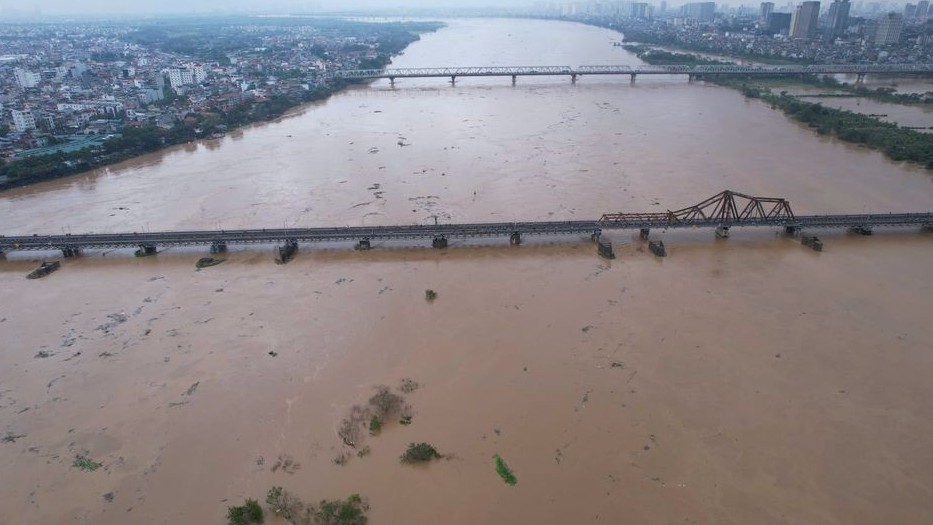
pixel 896 142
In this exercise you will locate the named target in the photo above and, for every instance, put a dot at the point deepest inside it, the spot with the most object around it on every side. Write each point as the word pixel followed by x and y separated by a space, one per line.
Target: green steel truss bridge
pixel 721 212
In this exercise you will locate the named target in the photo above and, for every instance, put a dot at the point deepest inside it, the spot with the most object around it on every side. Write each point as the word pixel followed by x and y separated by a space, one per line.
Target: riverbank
pixel 896 142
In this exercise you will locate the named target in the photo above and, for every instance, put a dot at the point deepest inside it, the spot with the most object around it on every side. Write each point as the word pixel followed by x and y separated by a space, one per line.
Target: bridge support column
pixel 146 250
pixel 633 78
pixel 453 80
pixel 573 78
pixel 287 252
pixel 689 77
pixel 71 252
pixel 860 78
pixel 363 244
pixel 219 247
pixel 604 249
pixel 515 239
pixel 514 78
pixel 643 234
pixel 722 232
pixel 439 242
pixel 792 230
pixel 596 235
pixel 392 81
pixel 861 230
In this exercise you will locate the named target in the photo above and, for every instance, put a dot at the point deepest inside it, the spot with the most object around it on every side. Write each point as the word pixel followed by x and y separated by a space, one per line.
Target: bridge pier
pixel 515 239
pixel 287 252
pixel 792 230
pixel 71 252
pixel 859 78
pixel 573 78
pixel 596 235
pixel 604 249
pixel 633 78
pixel 363 244
pixel 219 247
pixel 146 250
pixel 514 77
pixel 453 80
pixel 439 242
pixel 392 81
pixel 722 232
pixel 643 234
pixel 861 230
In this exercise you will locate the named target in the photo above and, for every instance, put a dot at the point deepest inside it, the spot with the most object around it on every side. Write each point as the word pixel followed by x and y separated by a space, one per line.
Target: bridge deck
pixel 503 229
pixel 674 69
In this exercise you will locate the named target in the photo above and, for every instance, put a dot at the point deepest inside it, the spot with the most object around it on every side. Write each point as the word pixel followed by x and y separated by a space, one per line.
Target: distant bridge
pixel 722 211
pixel 633 71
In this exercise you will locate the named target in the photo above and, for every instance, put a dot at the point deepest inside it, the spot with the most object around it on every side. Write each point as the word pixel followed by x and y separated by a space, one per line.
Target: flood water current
pixel 741 380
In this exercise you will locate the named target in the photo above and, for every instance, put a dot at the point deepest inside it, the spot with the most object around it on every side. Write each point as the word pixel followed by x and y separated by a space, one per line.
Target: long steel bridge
pixel 692 71
pixel 723 211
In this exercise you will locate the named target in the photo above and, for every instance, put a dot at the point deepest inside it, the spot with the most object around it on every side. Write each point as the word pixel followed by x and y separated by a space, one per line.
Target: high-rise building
pixel 779 22
pixel 923 9
pixel 180 77
pixel 26 79
pixel 765 12
pixel 804 21
pixel 889 29
pixel 701 11
pixel 837 20
pixel 910 11
pixel 23 120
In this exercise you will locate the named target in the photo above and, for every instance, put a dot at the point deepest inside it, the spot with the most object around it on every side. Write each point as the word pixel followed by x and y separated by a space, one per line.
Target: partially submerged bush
pixel 408 386
pixel 375 425
pixel 85 463
pixel 420 453
pixel 351 428
pixel 284 503
pixel 351 511
pixel 386 404
pixel 246 514
pixel 504 471
pixel 430 295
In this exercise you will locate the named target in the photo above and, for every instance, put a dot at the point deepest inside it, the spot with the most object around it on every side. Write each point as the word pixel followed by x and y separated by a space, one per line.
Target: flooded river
pixel 748 380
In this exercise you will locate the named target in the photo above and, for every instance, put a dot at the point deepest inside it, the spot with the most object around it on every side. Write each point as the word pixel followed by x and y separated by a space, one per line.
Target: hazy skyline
pixel 72 7
pixel 122 7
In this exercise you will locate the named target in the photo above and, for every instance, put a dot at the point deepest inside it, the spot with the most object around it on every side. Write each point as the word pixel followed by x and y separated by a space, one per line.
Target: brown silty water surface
pixel 748 380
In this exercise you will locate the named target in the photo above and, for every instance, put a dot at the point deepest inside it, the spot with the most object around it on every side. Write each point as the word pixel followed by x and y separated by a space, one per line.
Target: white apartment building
pixel 26 79
pixel 23 120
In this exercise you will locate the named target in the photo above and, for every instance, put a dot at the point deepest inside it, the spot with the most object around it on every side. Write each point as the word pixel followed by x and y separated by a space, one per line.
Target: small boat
pixel 205 262
pixel 44 269
pixel 812 241
pixel 657 248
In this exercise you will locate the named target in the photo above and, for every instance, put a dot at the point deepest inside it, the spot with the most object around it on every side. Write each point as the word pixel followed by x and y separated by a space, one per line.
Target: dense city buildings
pixel 95 93
pixel 842 31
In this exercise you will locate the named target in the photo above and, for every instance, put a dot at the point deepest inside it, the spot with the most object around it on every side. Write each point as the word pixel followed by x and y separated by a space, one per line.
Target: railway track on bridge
pixel 721 212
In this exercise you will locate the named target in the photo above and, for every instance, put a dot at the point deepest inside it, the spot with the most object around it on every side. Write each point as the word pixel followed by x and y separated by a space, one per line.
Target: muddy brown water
pixel 748 380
